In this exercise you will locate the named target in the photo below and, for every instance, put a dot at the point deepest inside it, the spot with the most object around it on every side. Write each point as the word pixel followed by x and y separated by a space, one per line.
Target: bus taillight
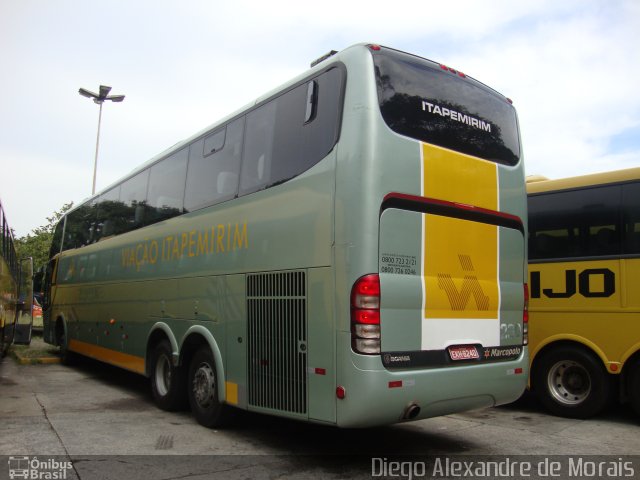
pixel 365 315
pixel 525 316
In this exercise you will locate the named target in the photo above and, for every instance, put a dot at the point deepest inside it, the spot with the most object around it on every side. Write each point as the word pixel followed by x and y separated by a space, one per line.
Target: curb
pixel 34 360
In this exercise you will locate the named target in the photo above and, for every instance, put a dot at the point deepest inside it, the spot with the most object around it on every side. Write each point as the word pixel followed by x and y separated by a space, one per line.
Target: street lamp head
pixel 87 93
pixel 104 91
pixel 102 96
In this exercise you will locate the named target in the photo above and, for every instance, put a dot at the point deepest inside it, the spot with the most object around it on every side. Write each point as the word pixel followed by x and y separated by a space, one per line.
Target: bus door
pixel 24 310
pixel 48 293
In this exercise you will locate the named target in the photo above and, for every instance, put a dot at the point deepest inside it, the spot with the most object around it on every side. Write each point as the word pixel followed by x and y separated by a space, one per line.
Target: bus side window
pixel 110 214
pixel 165 196
pixel 56 242
pixel 80 227
pixel 133 195
pixel 631 218
pixel 291 133
pixel 213 170
pixel 214 142
pixel 600 215
pixel 579 223
pixel 258 147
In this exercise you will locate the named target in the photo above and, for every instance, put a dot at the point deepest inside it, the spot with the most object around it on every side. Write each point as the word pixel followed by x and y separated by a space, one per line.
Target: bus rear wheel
pixel 168 381
pixel 203 391
pixel 634 387
pixel 571 382
pixel 67 357
pixel 4 346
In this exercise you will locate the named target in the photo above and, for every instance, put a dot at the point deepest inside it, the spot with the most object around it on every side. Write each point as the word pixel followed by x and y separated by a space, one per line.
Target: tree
pixel 37 243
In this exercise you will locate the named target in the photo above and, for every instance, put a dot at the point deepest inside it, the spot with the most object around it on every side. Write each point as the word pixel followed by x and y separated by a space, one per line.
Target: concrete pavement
pixel 94 414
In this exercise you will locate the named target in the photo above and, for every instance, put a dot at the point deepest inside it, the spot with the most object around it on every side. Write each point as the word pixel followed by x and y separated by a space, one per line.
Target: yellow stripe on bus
pixel 460 256
pixel 119 359
pixel 456 177
pixel 232 392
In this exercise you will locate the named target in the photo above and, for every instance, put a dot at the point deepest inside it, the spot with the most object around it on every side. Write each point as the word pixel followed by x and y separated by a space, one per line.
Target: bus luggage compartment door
pixel 451 288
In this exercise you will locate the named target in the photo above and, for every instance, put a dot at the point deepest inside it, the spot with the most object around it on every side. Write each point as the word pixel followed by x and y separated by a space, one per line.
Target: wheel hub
pixel 569 382
pixel 204 385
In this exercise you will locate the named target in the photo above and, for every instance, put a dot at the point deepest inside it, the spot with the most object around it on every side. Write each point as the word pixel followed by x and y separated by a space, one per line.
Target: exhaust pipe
pixel 411 412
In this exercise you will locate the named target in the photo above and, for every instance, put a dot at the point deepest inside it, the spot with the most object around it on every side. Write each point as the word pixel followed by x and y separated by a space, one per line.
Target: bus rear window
pixel 420 100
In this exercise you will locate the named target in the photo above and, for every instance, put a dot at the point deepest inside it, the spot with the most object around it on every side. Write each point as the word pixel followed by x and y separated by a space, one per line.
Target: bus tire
pixel 634 387
pixel 203 391
pixel 168 381
pixel 571 382
pixel 67 357
pixel 4 348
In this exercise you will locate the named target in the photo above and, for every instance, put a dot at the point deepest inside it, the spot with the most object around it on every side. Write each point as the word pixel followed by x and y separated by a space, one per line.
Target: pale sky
pixel 571 68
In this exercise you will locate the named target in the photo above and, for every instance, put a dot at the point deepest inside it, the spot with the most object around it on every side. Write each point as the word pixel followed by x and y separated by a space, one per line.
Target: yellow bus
pixel 584 280
pixel 16 291
pixel 8 284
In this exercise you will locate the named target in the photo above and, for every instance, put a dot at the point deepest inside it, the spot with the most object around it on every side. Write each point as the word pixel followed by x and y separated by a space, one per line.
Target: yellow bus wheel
pixel 634 387
pixel 570 382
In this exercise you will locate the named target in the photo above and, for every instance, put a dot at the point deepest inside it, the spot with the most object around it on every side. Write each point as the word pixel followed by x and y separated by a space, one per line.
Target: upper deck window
pixel 422 101
pixel 292 132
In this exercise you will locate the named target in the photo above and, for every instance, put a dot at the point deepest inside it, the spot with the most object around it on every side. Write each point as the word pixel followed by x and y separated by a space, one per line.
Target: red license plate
pixel 467 352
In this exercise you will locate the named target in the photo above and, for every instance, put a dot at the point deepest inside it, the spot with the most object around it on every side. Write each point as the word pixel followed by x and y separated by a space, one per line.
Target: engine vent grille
pixel 277 334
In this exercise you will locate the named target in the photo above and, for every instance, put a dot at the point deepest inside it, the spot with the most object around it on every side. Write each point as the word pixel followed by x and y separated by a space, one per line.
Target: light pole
pixel 99 99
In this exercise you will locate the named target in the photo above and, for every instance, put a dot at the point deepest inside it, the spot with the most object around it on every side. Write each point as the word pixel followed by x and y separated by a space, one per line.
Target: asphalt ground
pixel 103 422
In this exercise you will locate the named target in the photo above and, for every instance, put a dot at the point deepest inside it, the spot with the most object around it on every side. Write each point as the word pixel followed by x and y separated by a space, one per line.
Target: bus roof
pixel 536 185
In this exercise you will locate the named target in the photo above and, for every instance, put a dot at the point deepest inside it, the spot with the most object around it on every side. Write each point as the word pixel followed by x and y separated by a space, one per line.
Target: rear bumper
pixel 377 396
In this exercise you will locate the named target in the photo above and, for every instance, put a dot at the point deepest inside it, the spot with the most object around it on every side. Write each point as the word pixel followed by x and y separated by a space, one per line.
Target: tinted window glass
pixel 575 223
pixel 214 142
pixel 422 101
pixel 258 148
pixel 81 225
pixel 166 187
pixel 111 214
pixel 212 178
pixel 631 217
pixel 322 131
pixel 56 242
pixel 287 136
pixel 133 195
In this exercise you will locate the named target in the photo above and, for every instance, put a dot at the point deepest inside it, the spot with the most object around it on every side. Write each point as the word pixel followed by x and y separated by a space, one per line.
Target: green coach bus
pixel 348 249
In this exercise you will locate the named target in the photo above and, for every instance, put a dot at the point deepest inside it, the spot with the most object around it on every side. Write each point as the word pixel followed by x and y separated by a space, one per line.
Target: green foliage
pixel 37 243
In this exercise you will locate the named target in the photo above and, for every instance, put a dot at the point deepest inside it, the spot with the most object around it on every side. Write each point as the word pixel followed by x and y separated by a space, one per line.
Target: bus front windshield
pixel 422 100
